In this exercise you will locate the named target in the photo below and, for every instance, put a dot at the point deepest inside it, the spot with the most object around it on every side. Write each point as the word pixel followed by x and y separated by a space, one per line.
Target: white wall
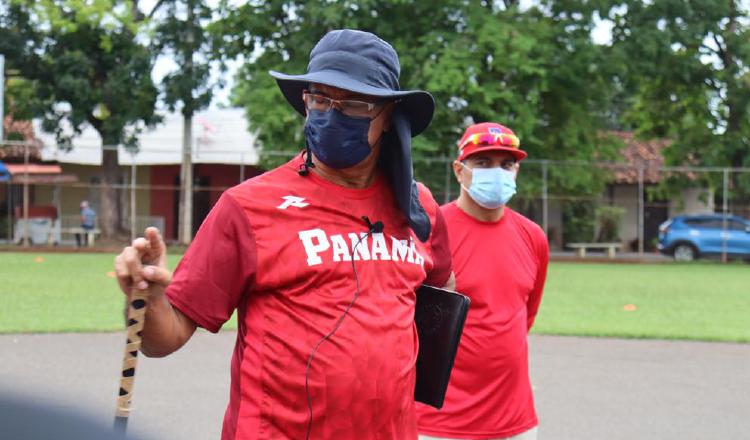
pixel 626 196
pixel 694 201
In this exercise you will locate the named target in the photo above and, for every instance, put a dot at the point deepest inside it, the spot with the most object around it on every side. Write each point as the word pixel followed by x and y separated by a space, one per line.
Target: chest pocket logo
pixel 293 201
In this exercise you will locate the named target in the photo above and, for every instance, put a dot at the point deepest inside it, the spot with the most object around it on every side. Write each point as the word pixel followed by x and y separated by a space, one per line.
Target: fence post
pixel 58 207
pixel 545 198
pixel 725 211
pixel 26 194
pixel 10 214
pixel 242 167
pixel 641 209
pixel 2 95
pixel 133 180
pixel 447 179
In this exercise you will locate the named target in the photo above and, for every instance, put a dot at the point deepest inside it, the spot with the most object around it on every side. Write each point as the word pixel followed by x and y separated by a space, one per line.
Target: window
pixel 716 223
pixel 695 222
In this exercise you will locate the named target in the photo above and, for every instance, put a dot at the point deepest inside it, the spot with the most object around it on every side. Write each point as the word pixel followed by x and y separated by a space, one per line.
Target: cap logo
pixel 494 130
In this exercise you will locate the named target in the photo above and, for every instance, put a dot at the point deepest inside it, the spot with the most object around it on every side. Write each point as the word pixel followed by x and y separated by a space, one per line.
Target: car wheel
pixel 684 252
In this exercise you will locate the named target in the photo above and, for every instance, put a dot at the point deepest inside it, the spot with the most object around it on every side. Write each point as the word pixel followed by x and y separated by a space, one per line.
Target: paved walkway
pixel 586 388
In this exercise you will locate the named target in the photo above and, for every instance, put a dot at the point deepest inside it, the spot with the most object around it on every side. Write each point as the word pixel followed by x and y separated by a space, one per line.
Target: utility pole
pixel 545 198
pixel 641 209
pixel 725 214
pixel 2 96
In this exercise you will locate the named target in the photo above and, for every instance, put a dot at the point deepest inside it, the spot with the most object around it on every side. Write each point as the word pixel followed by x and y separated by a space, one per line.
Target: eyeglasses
pixel 502 139
pixel 349 107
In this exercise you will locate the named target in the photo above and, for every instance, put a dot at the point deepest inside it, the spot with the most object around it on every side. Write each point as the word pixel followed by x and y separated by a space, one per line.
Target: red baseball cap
pixel 489 136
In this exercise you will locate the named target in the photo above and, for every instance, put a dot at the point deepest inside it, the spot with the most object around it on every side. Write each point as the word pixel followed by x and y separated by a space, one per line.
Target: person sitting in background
pixel 88 223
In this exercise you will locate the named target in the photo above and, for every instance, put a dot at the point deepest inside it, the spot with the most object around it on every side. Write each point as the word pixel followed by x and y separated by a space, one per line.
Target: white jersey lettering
pixel 360 251
pixel 314 249
pixel 340 248
pixel 414 256
pixel 399 249
pixel 379 248
pixel 319 246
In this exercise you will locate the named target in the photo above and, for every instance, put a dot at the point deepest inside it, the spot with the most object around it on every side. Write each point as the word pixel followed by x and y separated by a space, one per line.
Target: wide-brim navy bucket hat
pixel 363 63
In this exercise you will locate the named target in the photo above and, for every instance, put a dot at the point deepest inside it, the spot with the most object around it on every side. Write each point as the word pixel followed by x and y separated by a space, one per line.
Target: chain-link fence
pixel 574 202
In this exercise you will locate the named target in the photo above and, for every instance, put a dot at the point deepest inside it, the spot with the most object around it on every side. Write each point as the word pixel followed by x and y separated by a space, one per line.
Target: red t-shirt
pixel 502 266
pixel 277 248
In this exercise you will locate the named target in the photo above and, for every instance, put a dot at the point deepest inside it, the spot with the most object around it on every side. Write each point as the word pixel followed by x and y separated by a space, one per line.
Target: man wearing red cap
pixel 500 261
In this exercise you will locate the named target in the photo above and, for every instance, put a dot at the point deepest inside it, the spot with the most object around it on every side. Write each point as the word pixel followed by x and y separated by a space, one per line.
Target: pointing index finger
pixel 158 250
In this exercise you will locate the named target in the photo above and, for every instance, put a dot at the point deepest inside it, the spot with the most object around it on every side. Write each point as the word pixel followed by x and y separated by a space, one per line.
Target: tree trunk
pixel 109 217
pixel 185 230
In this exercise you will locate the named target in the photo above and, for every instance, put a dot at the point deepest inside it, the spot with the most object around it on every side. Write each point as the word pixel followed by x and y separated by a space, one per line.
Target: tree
pixel 17 38
pixel 688 73
pixel 535 70
pixel 86 56
pixel 181 32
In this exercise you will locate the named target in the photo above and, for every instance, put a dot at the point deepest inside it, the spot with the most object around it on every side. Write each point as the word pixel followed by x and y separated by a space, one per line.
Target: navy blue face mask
pixel 337 140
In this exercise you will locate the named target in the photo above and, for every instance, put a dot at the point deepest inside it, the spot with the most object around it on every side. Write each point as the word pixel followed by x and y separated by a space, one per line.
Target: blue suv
pixel 686 237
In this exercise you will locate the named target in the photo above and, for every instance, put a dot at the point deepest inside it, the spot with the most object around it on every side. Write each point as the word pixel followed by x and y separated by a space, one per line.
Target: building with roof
pixel 642 162
pixel 648 156
pixel 224 154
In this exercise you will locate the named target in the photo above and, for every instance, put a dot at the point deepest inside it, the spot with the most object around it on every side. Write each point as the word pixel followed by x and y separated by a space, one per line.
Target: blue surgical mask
pixel 491 188
pixel 337 140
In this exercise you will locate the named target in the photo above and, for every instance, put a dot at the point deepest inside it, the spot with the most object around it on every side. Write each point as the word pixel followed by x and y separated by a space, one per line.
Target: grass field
pixel 705 301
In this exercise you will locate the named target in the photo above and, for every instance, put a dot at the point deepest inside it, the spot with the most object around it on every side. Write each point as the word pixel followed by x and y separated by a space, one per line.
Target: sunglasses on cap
pixel 487 139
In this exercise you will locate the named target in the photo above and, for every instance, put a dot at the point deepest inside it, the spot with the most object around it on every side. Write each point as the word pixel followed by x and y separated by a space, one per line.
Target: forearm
pixel 165 328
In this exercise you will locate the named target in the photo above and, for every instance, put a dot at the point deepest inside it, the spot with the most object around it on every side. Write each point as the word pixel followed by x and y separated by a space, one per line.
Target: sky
pixel 166 64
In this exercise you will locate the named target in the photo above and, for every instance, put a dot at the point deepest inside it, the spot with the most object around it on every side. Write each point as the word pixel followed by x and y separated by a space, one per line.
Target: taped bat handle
pixel 136 318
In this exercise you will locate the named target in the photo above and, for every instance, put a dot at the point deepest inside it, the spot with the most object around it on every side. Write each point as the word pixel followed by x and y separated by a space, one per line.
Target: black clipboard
pixel 440 316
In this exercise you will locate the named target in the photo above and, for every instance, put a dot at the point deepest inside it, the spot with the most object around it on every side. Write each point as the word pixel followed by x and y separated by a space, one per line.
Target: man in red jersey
pixel 320 258
pixel 500 261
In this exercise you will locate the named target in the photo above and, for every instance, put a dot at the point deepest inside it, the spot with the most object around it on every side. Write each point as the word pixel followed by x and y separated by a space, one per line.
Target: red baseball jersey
pixel 282 250
pixel 502 267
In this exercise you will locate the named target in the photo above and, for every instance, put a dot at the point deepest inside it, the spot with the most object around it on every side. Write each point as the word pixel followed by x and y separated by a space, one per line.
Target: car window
pixel 737 225
pixel 694 222
pixel 710 223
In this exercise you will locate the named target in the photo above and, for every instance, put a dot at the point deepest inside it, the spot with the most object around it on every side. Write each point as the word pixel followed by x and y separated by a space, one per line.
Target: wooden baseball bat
pixel 136 318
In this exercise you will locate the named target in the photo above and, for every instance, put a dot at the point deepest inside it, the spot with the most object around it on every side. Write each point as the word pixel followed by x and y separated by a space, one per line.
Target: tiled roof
pixel 24 128
pixel 14 152
pixel 637 153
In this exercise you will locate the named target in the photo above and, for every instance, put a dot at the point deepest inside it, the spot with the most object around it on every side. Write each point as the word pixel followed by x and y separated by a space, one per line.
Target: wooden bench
pixel 581 248
pixel 89 233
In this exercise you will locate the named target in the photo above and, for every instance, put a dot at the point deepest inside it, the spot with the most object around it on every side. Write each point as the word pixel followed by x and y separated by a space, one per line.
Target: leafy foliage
pixel 688 74
pixel 84 54
pixel 536 71
pixel 609 220
pixel 179 30
pixel 86 66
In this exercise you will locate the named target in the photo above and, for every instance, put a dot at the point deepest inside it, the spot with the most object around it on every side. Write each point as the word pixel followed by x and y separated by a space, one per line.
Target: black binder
pixel 440 318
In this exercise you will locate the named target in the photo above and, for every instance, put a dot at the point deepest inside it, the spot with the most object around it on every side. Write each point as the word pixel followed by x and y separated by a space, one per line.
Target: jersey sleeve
pixel 535 298
pixel 218 267
pixel 441 253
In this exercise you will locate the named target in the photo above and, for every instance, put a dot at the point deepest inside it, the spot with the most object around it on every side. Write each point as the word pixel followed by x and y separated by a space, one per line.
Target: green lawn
pixel 77 292
pixel 706 301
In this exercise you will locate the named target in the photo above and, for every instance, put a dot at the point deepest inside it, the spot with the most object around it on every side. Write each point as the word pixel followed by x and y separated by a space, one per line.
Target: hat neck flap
pixel 395 158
